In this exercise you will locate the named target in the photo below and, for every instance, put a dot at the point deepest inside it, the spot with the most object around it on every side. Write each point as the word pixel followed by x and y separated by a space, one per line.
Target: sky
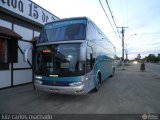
pixel 141 17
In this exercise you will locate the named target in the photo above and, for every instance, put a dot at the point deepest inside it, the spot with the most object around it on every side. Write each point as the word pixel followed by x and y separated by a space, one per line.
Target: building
pixel 20 22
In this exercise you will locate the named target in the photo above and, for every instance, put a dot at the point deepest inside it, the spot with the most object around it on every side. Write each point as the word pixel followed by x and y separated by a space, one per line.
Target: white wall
pixel 36 34
pixel 5 78
pixel 19 76
pixel 5 24
pixel 22 76
pixel 21 63
pixel 27 34
pixel 5 75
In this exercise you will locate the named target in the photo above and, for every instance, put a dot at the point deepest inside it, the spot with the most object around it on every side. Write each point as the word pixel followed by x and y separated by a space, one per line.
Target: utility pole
pixel 122 45
pixel 126 53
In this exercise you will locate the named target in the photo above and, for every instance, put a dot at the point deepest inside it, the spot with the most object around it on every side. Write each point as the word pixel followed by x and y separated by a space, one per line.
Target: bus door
pixel 89 66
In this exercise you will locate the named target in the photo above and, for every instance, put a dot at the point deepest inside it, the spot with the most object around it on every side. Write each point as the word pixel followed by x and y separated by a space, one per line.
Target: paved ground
pixel 155 68
pixel 129 91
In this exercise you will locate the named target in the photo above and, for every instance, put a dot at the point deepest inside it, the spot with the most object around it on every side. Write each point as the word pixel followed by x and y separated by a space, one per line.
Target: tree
pixel 152 58
pixel 158 57
pixel 138 58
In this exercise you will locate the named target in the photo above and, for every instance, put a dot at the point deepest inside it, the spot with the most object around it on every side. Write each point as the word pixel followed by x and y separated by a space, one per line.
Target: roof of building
pixel 9 33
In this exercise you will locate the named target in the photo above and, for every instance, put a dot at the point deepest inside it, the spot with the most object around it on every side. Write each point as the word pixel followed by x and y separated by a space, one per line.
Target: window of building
pixel 8 52
pixel 12 51
pixel 8 47
pixel 3 54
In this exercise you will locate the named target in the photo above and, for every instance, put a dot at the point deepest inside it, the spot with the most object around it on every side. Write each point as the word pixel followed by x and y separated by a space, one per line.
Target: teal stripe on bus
pixel 68 79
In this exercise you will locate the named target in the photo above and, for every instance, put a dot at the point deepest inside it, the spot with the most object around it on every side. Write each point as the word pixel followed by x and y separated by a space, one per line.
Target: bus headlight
pixel 76 84
pixel 38 82
pixel 37 77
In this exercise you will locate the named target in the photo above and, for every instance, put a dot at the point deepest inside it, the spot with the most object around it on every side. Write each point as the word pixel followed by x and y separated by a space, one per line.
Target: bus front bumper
pixel 72 90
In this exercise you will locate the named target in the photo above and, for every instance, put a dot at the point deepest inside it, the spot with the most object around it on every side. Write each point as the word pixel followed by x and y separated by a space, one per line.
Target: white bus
pixel 73 56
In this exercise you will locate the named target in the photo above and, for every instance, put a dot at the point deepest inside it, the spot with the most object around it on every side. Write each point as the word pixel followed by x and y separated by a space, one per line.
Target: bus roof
pixel 71 18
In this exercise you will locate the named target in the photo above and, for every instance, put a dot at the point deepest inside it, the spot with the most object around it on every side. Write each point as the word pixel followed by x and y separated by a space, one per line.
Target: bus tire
pixel 113 72
pixel 98 79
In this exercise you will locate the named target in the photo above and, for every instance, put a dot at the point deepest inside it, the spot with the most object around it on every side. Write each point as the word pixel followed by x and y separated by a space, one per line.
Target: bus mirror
pixel 83 51
pixel 26 53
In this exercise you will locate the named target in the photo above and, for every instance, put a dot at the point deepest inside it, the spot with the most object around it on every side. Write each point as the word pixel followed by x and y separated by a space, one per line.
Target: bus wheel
pixel 113 71
pixel 98 79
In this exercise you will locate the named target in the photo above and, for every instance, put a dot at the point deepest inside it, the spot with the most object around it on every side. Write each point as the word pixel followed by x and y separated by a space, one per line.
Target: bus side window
pixel 89 61
pixel 91 35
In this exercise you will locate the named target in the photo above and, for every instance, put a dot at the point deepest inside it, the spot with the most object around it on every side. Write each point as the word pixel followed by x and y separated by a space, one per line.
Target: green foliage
pixel 152 58
pixel 138 58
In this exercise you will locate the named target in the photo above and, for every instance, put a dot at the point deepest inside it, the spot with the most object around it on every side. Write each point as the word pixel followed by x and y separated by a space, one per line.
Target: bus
pixel 73 56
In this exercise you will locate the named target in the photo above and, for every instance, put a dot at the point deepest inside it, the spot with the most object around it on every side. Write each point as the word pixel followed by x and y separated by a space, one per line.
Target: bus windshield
pixel 59 59
pixel 74 29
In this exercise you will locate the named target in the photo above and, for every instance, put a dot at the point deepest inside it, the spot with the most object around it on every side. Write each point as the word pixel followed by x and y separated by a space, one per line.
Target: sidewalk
pixel 140 92
pixel 134 70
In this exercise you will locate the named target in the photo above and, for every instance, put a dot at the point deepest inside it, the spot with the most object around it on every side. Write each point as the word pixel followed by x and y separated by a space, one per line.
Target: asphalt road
pixel 153 68
pixel 129 91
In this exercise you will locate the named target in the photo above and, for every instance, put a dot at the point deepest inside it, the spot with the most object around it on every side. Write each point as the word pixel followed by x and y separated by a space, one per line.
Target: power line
pixel 108 19
pixel 119 35
pixel 124 11
pixel 127 12
pixel 112 17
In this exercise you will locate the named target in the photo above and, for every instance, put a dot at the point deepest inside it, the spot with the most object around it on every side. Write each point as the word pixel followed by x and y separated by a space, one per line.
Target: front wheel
pixel 113 72
pixel 98 80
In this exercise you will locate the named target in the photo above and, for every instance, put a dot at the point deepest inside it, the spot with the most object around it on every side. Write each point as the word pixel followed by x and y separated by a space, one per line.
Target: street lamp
pixel 127 44
pixel 131 36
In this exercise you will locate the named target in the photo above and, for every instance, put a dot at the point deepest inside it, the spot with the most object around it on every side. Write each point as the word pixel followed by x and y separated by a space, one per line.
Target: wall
pixel 21 72
pixel 5 76
pixel 23 21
